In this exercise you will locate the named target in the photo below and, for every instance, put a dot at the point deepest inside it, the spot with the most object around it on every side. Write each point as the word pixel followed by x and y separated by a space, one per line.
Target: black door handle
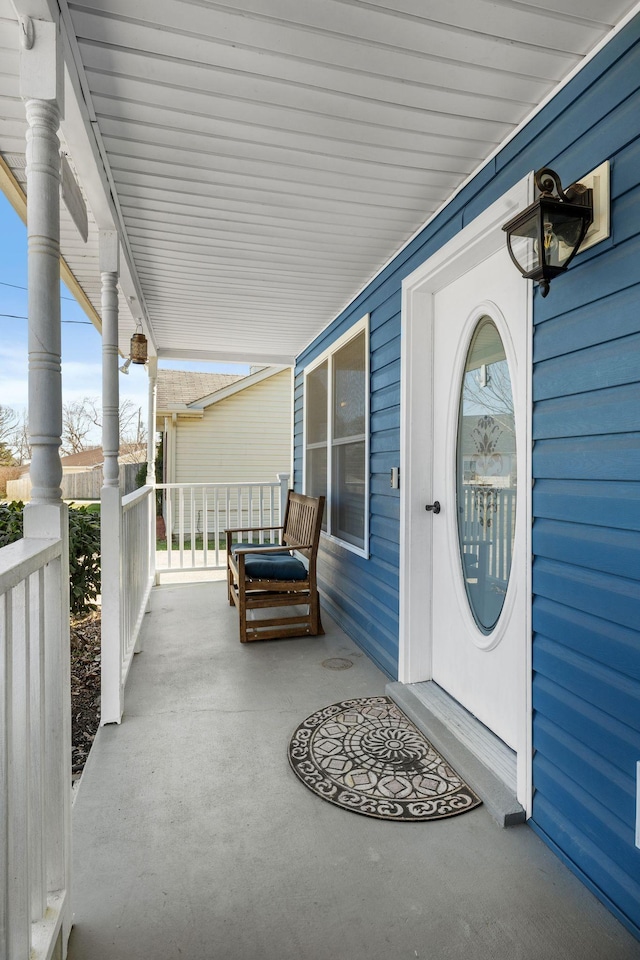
pixel 435 506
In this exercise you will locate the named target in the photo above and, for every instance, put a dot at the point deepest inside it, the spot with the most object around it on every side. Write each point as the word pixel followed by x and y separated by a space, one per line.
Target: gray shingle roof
pixel 185 386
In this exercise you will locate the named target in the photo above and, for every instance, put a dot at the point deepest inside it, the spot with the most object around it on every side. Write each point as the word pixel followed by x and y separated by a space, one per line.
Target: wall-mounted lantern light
pixel 543 239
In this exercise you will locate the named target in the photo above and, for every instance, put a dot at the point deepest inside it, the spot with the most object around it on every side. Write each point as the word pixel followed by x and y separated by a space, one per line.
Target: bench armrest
pixel 273 548
pixel 250 529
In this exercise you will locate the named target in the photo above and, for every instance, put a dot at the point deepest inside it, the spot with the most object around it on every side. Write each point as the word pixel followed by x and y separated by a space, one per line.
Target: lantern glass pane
pixel 563 232
pixel 524 244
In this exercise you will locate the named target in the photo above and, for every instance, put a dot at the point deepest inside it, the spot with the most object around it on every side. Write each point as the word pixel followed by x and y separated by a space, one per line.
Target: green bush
pixel 84 550
pixel 84 559
pixel 10 522
pixel 141 476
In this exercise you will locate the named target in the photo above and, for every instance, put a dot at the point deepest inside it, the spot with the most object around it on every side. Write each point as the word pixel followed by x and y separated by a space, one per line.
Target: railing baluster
pixel 205 532
pixel 216 528
pixel 169 526
pixel 261 509
pixel 35 606
pixel 181 525
pixel 20 769
pixel 192 525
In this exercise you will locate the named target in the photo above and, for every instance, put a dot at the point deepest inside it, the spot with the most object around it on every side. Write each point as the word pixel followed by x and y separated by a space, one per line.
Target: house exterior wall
pixel 586 470
pixel 244 437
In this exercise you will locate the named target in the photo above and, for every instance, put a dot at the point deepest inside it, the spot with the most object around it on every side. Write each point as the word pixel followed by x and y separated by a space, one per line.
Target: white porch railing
pixel 138 514
pixel 35 751
pixel 197 514
pixel 128 570
pixel 488 520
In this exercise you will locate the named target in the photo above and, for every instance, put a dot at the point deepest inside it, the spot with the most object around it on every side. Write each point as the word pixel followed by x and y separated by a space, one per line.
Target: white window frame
pixel 361 326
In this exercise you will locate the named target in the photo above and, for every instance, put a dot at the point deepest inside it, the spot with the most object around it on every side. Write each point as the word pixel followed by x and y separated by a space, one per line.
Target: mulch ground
pixel 85 687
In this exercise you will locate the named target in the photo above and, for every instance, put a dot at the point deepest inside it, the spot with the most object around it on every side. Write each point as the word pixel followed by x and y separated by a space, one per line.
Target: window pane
pixel 316 479
pixel 347 515
pixel 316 403
pixel 486 475
pixel 349 389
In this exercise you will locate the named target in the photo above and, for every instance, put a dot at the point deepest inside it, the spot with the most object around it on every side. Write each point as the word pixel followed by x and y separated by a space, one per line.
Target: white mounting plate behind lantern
pixel 598 181
pixel 72 197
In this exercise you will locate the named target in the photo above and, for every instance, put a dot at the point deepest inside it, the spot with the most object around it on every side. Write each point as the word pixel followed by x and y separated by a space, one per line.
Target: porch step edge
pixel 499 800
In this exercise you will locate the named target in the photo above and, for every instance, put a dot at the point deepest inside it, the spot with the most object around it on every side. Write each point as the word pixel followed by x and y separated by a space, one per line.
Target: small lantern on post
pixel 543 239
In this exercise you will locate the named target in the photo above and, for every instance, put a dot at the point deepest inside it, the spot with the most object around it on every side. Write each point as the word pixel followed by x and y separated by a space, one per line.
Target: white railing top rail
pixel 131 499
pixel 230 483
pixel 20 559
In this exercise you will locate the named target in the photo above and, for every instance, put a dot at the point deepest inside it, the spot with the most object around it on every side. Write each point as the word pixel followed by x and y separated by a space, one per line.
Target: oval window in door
pixel 486 475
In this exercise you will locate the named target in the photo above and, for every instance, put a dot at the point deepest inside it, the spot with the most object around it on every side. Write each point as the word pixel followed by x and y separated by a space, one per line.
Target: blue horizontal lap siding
pixel 586 504
pixel 596 502
pixel 586 469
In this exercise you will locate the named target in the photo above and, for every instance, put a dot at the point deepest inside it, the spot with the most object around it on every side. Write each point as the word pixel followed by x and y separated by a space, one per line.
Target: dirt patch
pixel 85 688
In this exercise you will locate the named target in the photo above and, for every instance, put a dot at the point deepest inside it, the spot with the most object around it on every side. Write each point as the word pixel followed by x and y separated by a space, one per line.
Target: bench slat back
pixel 303 521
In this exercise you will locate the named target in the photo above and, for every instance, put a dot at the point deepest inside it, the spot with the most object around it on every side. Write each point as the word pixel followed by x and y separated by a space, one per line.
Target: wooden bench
pixel 279 576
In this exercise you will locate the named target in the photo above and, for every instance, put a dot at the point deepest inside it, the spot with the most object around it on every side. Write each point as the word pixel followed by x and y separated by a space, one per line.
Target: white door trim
pixel 475 243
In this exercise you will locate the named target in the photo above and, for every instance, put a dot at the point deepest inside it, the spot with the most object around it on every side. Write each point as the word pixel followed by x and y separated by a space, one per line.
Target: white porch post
pixel 151 432
pixel 151 464
pixel 111 503
pixel 46 516
pixel 283 478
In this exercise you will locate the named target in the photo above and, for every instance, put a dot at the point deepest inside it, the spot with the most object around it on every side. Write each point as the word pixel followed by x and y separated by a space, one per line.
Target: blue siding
pixel 586 467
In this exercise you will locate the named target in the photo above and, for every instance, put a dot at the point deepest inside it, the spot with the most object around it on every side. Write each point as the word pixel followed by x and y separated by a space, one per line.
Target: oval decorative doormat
pixel 365 755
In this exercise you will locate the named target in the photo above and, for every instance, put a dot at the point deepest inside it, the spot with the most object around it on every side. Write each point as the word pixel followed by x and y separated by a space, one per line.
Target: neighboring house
pixel 404 581
pixel 219 428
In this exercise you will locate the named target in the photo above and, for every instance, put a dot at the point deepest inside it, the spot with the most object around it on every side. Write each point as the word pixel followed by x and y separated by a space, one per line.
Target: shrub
pixel 84 559
pixel 141 476
pixel 10 522
pixel 84 550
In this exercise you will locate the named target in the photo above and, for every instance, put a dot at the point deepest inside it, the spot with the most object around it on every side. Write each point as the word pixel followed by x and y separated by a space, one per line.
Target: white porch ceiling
pixel 267 157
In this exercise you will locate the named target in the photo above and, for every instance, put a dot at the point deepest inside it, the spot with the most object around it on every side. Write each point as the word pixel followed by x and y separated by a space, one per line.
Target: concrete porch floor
pixel 194 839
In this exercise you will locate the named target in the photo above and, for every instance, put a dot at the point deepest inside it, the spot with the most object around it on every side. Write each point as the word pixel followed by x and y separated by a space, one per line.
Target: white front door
pixel 478 574
pixel 465 443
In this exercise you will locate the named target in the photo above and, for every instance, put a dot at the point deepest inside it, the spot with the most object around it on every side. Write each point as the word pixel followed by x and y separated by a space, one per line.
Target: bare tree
pixel 81 419
pixel 77 427
pixel 21 444
pixel 132 428
pixel 9 421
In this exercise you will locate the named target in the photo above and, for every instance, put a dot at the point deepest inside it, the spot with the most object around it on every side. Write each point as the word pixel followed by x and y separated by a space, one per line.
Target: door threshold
pixel 484 761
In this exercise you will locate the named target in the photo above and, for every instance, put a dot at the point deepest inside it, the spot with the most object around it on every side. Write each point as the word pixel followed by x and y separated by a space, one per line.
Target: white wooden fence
pixel 197 514
pixel 79 485
pixel 35 751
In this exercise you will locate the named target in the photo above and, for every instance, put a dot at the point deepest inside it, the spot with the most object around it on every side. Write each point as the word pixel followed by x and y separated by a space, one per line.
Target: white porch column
pixel 151 460
pixel 283 479
pixel 46 516
pixel 152 368
pixel 43 233
pixel 111 502
pixel 109 271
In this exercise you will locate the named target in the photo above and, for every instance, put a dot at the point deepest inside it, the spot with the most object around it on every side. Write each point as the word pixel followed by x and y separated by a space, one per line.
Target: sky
pixel 81 342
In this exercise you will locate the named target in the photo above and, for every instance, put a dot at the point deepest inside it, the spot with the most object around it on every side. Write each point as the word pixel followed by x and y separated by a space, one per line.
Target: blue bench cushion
pixel 274 566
